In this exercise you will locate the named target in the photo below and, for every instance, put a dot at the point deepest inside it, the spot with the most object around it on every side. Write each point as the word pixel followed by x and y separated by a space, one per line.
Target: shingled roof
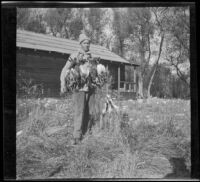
pixel 31 40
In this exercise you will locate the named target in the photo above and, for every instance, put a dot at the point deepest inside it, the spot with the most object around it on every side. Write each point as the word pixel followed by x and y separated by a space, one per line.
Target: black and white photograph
pixel 103 92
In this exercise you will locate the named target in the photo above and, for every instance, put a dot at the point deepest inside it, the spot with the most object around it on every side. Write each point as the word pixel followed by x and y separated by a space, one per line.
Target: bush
pixel 27 87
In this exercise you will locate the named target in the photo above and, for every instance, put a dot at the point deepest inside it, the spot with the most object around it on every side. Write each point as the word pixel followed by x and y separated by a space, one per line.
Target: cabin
pixel 41 57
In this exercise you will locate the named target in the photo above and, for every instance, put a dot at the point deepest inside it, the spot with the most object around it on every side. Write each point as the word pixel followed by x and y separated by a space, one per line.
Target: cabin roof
pixel 36 41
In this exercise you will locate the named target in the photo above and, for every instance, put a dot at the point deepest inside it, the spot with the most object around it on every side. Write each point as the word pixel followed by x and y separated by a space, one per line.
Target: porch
pixel 124 83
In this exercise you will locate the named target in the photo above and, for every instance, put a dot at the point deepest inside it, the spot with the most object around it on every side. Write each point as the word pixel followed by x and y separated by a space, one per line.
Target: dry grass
pixel 150 134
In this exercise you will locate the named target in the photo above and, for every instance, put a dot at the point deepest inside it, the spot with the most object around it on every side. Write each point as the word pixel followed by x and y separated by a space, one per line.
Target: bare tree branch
pixel 181 42
pixel 158 22
pixel 179 73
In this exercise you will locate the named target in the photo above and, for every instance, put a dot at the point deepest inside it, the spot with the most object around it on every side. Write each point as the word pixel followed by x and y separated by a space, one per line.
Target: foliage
pixel 22 17
pixel 96 24
pixel 27 87
pixel 120 27
pixel 133 33
pixel 60 20
pixel 167 85
pixel 177 48
pixel 30 19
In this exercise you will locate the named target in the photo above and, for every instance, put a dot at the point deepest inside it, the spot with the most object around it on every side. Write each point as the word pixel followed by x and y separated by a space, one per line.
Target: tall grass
pixel 131 150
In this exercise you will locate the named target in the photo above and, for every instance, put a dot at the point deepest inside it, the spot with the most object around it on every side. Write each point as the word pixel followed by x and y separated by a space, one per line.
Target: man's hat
pixel 83 37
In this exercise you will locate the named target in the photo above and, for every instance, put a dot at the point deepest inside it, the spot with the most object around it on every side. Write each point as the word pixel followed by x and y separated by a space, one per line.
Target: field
pixel 152 141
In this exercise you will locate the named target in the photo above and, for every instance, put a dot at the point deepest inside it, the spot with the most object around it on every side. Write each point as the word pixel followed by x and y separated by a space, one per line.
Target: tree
pixel 64 22
pixel 94 21
pixel 22 17
pixel 141 31
pixel 58 21
pixel 161 16
pixel 143 35
pixel 120 27
pixel 31 19
pixel 177 52
pixel 75 26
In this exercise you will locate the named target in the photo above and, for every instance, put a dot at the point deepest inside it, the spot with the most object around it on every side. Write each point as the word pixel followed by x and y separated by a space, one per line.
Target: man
pixel 84 98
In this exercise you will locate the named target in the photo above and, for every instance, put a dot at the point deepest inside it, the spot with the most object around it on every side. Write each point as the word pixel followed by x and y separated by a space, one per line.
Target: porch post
pixel 118 81
pixel 134 79
pixel 106 83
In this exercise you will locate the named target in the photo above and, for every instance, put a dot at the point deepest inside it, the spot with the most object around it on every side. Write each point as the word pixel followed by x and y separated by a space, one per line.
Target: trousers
pixel 84 110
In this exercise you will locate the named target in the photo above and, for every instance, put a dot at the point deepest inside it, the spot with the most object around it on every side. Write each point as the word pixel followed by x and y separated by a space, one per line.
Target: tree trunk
pixel 141 74
pixel 155 67
pixel 151 80
pixel 149 56
pixel 140 85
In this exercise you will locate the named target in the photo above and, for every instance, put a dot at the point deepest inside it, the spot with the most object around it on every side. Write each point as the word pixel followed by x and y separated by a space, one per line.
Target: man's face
pixel 85 45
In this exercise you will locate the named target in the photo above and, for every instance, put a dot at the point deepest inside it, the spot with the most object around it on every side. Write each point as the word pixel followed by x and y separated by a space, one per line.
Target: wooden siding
pixel 43 69
pixel 46 67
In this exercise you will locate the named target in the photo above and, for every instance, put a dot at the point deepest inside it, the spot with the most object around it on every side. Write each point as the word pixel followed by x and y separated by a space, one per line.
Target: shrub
pixel 27 87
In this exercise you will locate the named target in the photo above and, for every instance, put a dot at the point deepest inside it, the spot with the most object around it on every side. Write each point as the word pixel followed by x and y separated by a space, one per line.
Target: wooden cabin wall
pixel 43 67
